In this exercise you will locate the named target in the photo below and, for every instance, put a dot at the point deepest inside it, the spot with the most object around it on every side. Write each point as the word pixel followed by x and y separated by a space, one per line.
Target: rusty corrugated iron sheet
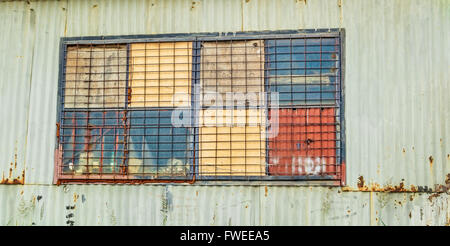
pixel 216 205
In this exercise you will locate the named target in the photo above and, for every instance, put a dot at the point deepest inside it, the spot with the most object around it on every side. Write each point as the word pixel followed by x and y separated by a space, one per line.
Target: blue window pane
pixel 96 118
pixel 303 71
pixel 166 149
pixel 98 144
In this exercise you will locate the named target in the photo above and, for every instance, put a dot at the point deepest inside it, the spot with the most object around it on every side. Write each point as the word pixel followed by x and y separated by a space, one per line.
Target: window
pixel 191 108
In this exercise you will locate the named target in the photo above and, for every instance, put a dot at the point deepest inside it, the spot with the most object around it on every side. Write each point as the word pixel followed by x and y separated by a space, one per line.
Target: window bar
pixel 88 131
pixel 102 143
pixel 171 163
pixel 275 83
pixel 216 137
pixel 116 140
pixel 74 133
pixel 158 155
pixel 124 169
pixel 321 139
pixel 267 97
pixel 341 105
pixel 307 142
pixel 197 95
pixel 74 113
pixel 292 140
pixel 103 107
pixel 193 111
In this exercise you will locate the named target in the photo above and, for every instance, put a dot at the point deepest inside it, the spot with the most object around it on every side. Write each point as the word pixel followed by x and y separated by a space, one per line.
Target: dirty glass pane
pixel 95 76
pixel 231 67
pixel 157 148
pixel 92 142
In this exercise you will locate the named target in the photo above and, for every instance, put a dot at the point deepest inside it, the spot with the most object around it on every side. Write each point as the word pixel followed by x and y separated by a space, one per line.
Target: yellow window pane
pixel 230 150
pixel 160 74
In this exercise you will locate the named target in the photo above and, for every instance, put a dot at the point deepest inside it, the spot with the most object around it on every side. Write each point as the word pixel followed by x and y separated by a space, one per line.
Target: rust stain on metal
pixel 430 198
pixel 10 179
pixel 266 191
pixel 374 187
pixel 361 182
pixel 431 159
pixel 75 197
pixel 444 188
pixel 343 174
pixel 58 127
pixel 377 188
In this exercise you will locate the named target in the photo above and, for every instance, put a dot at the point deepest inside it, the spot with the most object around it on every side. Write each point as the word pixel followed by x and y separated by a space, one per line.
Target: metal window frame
pixel 197 38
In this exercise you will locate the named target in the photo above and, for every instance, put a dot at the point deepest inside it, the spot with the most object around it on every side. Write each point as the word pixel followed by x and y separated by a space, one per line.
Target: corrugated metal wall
pixel 397 107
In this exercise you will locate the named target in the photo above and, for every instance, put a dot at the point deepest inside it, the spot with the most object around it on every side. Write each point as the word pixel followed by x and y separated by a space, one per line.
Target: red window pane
pixel 305 144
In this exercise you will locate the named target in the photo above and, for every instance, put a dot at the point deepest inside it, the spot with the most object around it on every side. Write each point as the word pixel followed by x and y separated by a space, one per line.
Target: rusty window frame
pixel 337 179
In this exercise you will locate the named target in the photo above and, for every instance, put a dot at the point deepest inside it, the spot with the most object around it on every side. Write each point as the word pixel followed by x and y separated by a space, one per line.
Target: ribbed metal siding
pixel 215 205
pixel 396 79
pixel 16 46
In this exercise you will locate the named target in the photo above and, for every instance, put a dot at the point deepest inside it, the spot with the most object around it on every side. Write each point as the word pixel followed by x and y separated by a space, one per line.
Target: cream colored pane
pixel 236 66
pixel 95 76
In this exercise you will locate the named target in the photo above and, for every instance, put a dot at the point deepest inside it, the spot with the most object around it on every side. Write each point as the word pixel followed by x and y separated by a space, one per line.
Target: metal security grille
pixel 187 108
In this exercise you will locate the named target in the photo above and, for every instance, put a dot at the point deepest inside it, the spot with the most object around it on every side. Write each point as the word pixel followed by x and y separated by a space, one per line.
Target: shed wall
pixel 396 111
